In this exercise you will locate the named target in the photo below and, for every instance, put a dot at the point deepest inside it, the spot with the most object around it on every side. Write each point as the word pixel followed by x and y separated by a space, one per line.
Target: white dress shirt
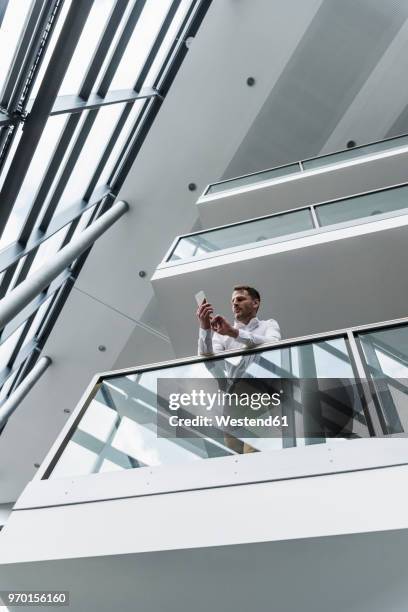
pixel 252 334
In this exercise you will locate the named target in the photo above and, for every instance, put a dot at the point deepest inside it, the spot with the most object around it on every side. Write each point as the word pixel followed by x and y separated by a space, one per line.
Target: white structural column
pixel 9 406
pixel 22 295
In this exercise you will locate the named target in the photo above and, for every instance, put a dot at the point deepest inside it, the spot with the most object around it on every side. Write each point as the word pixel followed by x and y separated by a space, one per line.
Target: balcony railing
pixel 309 164
pixel 118 427
pixel 292 224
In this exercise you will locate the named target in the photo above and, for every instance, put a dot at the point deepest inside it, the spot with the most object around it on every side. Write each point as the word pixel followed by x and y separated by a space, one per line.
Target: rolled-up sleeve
pixel 205 345
pixel 209 342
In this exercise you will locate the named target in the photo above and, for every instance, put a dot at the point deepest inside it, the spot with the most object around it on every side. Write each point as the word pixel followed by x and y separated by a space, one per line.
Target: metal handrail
pixel 261 348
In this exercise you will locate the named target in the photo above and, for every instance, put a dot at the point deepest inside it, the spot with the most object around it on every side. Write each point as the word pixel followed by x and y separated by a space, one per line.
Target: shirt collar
pixel 254 322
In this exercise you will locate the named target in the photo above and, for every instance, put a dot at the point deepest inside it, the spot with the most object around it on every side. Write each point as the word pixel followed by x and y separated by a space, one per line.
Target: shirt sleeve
pixel 270 333
pixel 208 343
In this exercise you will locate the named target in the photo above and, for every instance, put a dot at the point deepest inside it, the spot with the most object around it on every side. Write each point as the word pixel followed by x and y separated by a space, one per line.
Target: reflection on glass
pixel 119 429
pixel 252 179
pixel 33 178
pixel 367 205
pixel 386 353
pixel 370 149
pixel 242 233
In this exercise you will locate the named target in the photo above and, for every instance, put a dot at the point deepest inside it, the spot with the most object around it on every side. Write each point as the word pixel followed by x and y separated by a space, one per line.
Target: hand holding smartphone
pixel 200 298
pixel 205 311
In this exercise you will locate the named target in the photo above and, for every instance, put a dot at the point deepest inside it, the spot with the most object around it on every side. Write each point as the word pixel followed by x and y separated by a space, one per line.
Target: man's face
pixel 243 306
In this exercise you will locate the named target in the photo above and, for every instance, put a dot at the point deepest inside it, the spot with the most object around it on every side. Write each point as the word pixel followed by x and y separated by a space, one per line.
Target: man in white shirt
pixel 217 334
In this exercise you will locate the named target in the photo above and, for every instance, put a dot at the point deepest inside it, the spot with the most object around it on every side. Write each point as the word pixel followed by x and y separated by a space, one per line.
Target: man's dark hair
pixel 250 290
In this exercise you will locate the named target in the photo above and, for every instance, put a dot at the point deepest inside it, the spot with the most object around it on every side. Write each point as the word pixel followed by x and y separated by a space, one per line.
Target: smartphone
pixel 200 297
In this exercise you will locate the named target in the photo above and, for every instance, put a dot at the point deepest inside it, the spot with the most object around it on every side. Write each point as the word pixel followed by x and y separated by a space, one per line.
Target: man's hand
pixel 204 314
pixel 223 327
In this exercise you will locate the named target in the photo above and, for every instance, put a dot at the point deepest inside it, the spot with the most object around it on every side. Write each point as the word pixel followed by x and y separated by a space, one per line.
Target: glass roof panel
pixel 120 142
pixel 76 170
pixel 143 36
pixel 33 179
pixel 91 34
pixel 51 46
pixel 10 32
pixel 167 42
pixel 90 155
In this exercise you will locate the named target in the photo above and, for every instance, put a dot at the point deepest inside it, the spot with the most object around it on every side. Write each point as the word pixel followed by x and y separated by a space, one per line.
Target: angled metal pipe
pixel 15 399
pixel 22 295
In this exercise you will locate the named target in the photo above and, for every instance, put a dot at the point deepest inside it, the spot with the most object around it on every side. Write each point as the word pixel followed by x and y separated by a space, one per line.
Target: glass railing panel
pixel 386 354
pixel 310 164
pixel 349 154
pixel 371 204
pixel 252 179
pixel 120 428
pixel 241 234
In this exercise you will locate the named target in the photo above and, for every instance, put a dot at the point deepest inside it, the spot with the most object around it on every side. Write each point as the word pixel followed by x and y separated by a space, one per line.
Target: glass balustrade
pixel 125 422
pixel 240 234
pixel 356 152
pixel 309 164
pixel 252 179
pixel 289 224
pixel 359 207
pixel 386 354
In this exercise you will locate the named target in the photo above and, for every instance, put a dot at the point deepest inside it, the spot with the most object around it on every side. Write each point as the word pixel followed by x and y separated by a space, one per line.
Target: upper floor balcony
pixel 119 481
pixel 364 168
pixel 317 268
